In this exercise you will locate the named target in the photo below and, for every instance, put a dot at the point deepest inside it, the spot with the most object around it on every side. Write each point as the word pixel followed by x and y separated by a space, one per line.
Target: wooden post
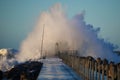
pixel 75 62
pixel 68 57
pixel 87 68
pixel 105 62
pixel 99 67
pixel 96 65
pixel 84 69
pixel 70 60
pixel 118 71
pixel 103 68
pixel 93 68
pixel 89 58
pixel 107 72
pixel 80 66
pixel 111 73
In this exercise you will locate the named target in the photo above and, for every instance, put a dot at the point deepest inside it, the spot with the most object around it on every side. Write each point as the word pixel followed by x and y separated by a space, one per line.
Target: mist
pixel 73 34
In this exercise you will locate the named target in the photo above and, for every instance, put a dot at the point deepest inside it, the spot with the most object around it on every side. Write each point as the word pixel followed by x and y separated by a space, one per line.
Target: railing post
pixel 73 62
pixel 78 63
pixel 118 71
pixel 84 68
pixel 107 71
pixel 103 68
pixel 70 61
pixel 96 70
pixel 99 67
pixel 87 68
pixel 112 74
pixel 93 68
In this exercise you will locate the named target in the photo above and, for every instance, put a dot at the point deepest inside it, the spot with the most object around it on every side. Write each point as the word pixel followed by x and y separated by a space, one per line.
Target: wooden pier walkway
pixel 55 69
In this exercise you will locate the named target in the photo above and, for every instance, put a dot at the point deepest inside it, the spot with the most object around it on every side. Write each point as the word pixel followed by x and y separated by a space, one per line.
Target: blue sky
pixel 18 17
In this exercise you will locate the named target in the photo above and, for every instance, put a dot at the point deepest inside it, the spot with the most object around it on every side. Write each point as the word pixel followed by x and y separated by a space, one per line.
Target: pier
pixel 55 69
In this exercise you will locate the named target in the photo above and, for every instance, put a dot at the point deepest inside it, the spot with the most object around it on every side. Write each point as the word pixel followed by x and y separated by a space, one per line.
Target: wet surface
pixel 55 69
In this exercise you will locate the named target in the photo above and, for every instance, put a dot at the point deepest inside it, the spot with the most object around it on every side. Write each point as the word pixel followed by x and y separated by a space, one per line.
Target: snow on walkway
pixel 55 69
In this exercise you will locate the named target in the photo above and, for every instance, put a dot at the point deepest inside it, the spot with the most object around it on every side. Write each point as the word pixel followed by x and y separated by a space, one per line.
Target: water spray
pixel 42 42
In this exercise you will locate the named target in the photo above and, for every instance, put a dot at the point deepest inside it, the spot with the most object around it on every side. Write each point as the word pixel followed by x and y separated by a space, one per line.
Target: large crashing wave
pixel 75 33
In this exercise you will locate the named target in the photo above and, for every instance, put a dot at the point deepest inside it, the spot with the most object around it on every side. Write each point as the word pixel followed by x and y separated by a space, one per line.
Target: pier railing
pixel 92 69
